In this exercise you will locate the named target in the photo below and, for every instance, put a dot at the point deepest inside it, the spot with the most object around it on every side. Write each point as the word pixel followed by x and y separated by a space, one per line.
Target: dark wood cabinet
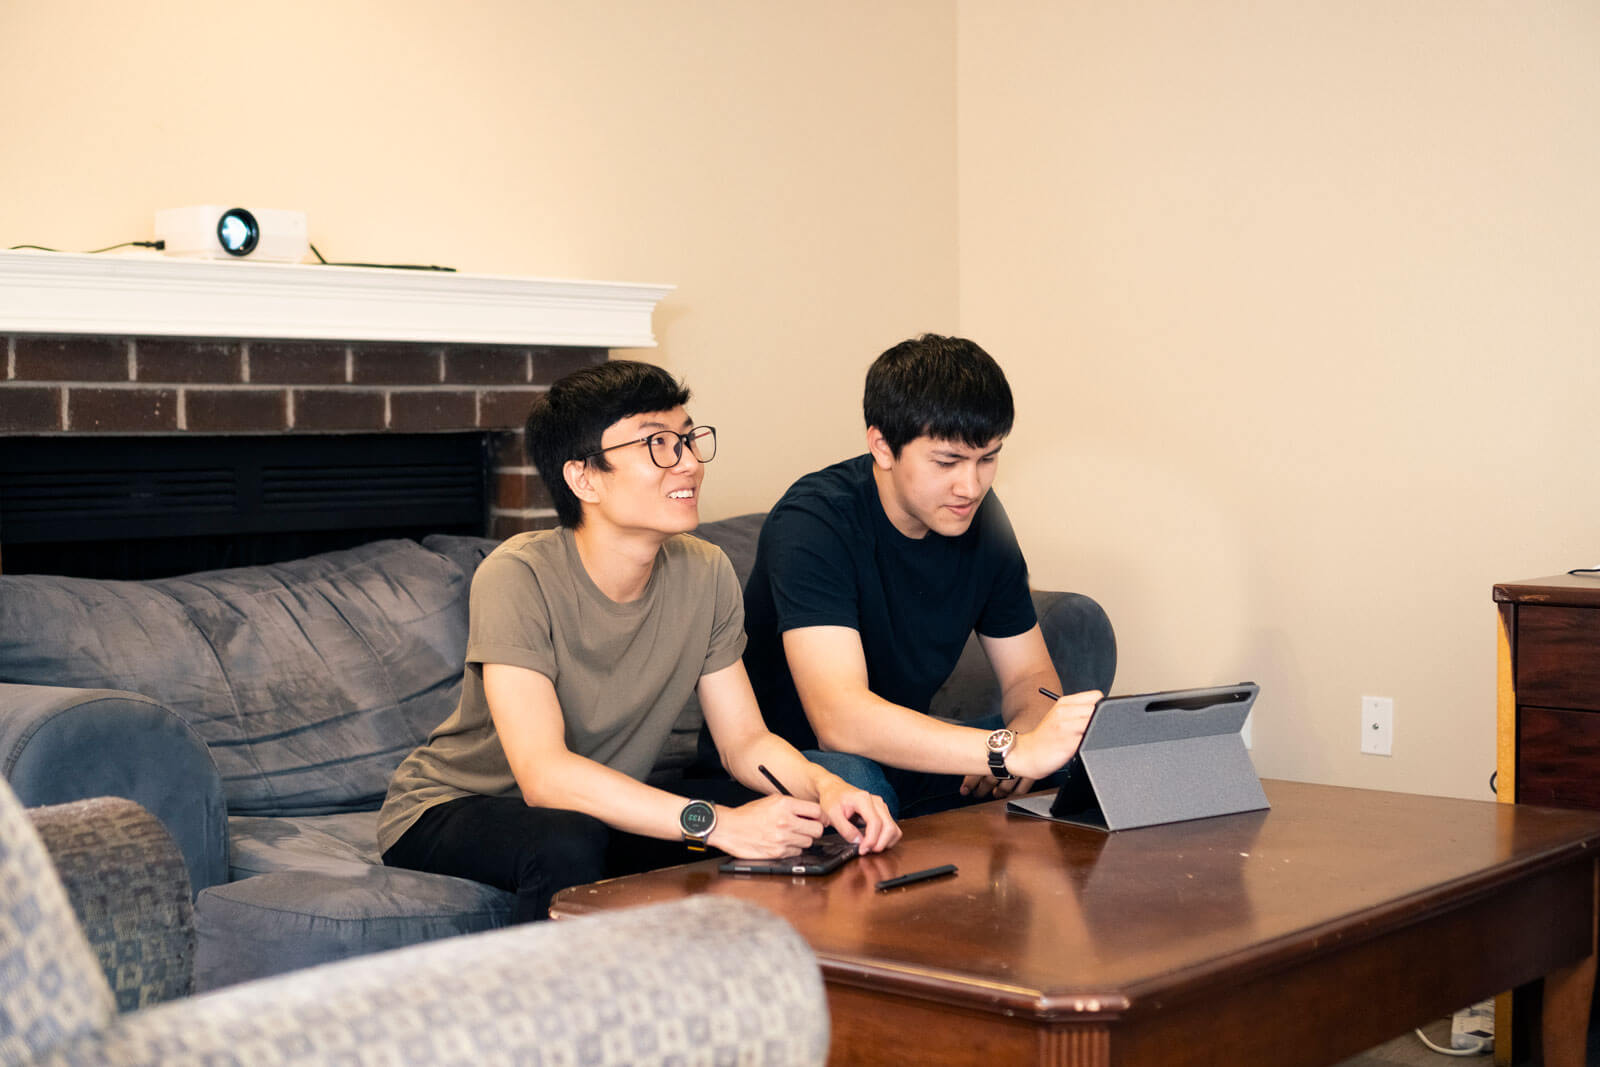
pixel 1548 735
pixel 1549 703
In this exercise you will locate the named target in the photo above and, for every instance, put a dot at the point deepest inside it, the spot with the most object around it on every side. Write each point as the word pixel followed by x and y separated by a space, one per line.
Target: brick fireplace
pixel 392 355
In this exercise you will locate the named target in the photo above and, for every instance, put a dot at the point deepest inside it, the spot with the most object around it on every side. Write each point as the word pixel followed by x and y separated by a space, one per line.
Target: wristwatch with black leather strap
pixel 1001 742
pixel 697 820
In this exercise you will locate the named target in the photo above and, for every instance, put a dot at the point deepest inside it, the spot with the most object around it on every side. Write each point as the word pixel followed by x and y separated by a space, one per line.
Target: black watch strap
pixel 1000 744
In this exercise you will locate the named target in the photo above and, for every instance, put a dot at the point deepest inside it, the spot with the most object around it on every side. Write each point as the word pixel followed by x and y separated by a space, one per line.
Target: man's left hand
pixel 859 816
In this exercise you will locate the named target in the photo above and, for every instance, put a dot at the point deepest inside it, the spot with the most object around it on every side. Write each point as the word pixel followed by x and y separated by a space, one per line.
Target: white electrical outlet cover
pixel 1377 726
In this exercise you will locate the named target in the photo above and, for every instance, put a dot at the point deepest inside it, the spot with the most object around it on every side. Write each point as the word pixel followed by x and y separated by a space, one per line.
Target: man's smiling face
pixel 636 493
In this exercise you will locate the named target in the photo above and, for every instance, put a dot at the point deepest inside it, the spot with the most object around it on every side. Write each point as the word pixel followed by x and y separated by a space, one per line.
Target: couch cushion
pixel 309 681
pixel 464 551
pixel 313 889
pixel 291 919
pixel 346 843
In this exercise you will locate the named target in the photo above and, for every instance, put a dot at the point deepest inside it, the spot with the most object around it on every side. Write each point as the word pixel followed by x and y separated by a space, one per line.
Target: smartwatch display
pixel 697 820
pixel 1000 744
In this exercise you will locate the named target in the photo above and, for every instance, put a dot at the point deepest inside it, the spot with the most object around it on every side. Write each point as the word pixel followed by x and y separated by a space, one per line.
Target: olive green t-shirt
pixel 622 672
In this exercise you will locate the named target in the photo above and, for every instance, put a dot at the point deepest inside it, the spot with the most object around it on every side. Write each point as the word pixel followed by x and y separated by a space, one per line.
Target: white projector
pixel 207 232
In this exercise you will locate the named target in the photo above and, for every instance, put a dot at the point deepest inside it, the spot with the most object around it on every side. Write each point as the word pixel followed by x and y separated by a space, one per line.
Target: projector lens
pixel 237 232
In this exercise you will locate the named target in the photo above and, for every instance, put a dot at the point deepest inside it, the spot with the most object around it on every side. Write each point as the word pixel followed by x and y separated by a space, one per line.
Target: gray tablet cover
pixel 1158 758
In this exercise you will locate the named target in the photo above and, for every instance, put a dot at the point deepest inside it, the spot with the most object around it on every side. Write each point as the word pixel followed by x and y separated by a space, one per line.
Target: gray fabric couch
pixel 97 967
pixel 259 713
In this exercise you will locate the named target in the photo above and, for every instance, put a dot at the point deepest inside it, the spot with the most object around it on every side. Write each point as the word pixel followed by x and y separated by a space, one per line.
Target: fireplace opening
pixel 152 507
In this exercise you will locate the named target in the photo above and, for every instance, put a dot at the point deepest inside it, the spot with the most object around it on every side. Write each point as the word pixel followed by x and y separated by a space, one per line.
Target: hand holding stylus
pixel 1047 747
pixel 874 836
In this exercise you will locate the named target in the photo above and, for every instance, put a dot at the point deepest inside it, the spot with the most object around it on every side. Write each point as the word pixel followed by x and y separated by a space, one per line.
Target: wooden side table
pixel 1549 692
pixel 1548 734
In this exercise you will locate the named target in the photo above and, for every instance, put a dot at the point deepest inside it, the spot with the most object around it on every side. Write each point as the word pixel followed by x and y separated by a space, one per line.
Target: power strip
pixel 1473 1027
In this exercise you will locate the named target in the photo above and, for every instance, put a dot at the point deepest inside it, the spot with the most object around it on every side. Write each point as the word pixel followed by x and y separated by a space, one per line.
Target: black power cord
pixel 157 245
pixel 380 266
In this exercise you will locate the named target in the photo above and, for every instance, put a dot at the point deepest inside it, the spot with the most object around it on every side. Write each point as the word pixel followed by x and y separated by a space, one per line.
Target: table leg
pixel 1564 1024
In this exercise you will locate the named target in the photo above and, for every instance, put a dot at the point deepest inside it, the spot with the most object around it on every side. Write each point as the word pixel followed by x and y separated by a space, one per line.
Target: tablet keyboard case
pixel 1158 758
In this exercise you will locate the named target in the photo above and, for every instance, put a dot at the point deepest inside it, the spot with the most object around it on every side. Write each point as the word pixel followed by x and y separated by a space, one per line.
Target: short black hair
pixel 566 421
pixel 943 387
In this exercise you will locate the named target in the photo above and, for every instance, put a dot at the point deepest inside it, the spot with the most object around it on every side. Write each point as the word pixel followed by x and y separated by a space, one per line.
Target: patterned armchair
pixel 704 980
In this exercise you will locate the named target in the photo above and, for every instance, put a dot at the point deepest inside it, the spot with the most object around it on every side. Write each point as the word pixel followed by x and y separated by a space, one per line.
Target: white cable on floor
pixel 1480 1046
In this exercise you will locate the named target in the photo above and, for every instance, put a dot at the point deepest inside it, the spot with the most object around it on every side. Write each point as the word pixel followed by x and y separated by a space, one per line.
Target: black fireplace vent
pixel 139 507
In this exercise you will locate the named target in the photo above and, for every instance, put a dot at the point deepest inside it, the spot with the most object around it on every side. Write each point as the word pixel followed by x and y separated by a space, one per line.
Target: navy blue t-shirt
pixel 829 556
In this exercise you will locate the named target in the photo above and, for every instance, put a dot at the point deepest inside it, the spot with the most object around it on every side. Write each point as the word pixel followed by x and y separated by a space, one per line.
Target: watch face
pixel 1002 740
pixel 697 818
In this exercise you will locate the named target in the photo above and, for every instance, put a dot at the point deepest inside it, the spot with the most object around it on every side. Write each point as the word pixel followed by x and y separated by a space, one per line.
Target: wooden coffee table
pixel 1299 935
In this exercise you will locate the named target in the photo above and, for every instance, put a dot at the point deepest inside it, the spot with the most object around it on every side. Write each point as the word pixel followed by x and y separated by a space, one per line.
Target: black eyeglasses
pixel 666 447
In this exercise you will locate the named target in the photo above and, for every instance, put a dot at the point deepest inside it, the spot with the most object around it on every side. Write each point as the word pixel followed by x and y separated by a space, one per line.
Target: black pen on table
pixel 917 876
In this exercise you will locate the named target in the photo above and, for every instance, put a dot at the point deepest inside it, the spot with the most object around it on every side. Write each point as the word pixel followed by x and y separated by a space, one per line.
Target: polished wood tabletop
pixel 1053 923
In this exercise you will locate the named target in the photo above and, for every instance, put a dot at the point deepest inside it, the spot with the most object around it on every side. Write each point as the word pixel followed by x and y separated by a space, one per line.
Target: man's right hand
pixel 767 828
pixel 1046 748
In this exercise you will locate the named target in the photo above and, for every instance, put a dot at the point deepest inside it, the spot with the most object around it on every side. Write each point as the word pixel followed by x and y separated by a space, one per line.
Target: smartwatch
pixel 697 820
pixel 1001 742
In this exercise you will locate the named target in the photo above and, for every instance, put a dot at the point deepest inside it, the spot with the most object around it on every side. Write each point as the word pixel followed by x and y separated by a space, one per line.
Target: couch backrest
pixel 309 680
pixel 737 537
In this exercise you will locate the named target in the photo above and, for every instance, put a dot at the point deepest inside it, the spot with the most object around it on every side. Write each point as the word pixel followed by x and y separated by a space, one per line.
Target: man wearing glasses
pixel 871 574
pixel 585 643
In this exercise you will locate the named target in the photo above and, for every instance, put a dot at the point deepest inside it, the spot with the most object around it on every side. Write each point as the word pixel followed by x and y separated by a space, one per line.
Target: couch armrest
pixel 58 745
pixel 129 887
pixel 703 980
pixel 1081 642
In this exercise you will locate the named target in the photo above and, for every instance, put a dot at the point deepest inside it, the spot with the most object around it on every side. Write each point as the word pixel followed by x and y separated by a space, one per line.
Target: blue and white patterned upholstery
pixel 51 989
pixel 704 981
pixel 130 889
pixel 709 980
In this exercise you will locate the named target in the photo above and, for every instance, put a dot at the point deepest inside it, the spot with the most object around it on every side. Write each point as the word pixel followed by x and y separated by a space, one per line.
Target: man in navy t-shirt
pixel 871 574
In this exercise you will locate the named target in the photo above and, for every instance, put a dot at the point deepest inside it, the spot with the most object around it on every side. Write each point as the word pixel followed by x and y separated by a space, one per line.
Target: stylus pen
pixel 1046 692
pixel 855 820
pixel 917 876
pixel 773 779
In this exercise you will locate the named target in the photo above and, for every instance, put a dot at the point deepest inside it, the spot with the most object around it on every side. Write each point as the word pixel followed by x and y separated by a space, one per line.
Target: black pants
pixel 537 852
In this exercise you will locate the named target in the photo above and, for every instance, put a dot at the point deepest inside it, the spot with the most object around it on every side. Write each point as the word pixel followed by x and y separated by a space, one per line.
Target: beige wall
pixel 790 168
pixel 1302 305
pixel 1300 300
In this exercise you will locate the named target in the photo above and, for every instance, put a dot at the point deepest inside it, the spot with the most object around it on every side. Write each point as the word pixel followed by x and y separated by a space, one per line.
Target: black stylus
pixel 773 779
pixel 917 876
pixel 855 820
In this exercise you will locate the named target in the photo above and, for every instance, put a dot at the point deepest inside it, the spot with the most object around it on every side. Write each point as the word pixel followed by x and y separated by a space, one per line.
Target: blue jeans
pixel 908 793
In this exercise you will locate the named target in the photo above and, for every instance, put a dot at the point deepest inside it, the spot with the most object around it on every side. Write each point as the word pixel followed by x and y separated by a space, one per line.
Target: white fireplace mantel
pixel 148 294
